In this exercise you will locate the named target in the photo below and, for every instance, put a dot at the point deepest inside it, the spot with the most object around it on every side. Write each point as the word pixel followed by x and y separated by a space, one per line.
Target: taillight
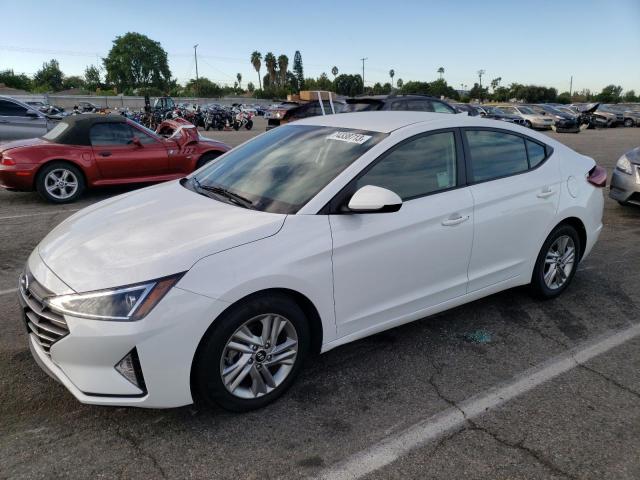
pixel 597 177
pixel 4 160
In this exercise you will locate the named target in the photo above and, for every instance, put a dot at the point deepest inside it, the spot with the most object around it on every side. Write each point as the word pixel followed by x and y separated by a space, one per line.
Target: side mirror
pixel 371 199
pixel 136 141
pixel 32 114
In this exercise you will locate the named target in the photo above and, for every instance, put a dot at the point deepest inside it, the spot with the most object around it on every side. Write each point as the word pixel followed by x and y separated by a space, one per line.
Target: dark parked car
pixel 465 107
pixel 494 113
pixel 562 121
pixel 286 112
pixel 412 102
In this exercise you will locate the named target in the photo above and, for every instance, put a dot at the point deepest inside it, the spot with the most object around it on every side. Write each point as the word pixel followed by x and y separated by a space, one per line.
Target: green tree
pixel 495 83
pixel 630 96
pixel 271 64
pixel 610 94
pixel 423 88
pixel 564 97
pixel 205 88
pixel 350 85
pixel 478 92
pixel 74 81
pixel 256 61
pixel 49 77
pixel 11 80
pixel 135 61
pixel 92 78
pixel 283 65
pixel 323 82
pixel 441 72
pixel 392 73
pixel 298 70
pixel 239 78
pixel 400 83
pixel 251 87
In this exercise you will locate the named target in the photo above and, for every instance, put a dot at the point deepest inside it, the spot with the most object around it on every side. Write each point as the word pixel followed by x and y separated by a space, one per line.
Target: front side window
pixel 495 154
pixel 283 169
pixel 418 167
pixel 10 109
pixel 111 134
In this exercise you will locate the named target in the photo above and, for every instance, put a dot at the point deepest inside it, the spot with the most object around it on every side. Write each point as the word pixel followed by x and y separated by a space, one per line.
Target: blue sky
pixel 542 42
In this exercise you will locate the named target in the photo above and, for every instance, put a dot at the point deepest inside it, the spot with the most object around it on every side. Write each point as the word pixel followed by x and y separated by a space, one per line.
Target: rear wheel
pixel 252 354
pixel 206 158
pixel 528 124
pixel 557 262
pixel 628 122
pixel 60 182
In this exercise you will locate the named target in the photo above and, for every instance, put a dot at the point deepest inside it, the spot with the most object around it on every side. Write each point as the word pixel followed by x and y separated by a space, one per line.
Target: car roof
pixel 383 122
pixel 79 126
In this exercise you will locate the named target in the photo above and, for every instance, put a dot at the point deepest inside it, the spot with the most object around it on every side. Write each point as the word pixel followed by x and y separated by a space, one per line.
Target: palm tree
pixel 256 61
pixel 334 70
pixel 283 65
pixel 270 62
pixel 239 77
pixel 441 72
pixel 399 83
pixel 392 73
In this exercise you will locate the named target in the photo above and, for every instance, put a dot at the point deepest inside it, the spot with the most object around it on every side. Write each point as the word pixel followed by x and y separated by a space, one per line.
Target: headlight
pixel 128 303
pixel 624 165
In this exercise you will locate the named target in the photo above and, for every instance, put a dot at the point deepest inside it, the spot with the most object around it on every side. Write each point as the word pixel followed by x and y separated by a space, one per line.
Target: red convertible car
pixel 86 151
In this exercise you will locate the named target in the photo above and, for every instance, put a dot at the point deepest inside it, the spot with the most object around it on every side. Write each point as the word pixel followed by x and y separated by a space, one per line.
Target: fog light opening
pixel 129 368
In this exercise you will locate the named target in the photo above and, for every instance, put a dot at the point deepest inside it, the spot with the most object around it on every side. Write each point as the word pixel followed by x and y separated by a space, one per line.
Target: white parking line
pixel 6 292
pixel 53 212
pixel 392 448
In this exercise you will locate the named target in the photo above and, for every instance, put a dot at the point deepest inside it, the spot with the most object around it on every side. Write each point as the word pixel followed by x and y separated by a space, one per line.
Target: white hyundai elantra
pixel 216 287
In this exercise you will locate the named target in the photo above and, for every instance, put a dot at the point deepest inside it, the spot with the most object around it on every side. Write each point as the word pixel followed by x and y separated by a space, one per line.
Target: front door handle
pixel 457 220
pixel 546 193
pixel 105 154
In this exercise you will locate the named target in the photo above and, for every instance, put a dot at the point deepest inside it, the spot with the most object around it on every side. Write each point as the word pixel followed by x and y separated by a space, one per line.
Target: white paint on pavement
pixel 7 292
pixel 395 446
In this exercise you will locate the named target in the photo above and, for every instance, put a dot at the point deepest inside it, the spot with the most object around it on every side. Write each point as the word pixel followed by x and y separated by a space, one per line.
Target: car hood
pixel 27 142
pixel 634 155
pixel 148 234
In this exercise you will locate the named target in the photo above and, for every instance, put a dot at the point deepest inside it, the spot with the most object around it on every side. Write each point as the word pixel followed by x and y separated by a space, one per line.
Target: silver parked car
pixel 19 120
pixel 625 181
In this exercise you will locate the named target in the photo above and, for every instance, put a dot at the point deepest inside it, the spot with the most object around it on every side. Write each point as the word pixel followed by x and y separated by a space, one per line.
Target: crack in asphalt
pixel 138 448
pixel 609 379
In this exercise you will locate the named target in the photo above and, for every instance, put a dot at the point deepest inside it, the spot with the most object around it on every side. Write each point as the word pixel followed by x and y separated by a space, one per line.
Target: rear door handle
pixel 546 193
pixel 451 221
pixel 105 154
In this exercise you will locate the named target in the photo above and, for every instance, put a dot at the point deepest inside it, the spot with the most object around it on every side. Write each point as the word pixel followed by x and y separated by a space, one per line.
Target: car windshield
pixel 56 131
pixel 283 169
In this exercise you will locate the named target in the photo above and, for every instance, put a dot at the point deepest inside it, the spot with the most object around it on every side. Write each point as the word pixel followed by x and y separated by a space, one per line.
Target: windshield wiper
pixel 223 192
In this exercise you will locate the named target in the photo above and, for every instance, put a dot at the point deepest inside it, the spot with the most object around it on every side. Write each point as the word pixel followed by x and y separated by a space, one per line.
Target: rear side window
pixel 495 154
pixel 536 152
pixel 418 167
pixel 10 109
pixel 442 108
pixel 111 134
pixel 419 106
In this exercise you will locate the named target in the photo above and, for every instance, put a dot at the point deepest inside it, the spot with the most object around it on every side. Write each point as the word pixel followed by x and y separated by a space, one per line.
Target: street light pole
pixel 195 53
pixel 363 59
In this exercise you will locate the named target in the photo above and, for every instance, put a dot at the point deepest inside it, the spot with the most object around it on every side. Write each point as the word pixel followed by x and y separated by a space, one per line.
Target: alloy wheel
pixel 559 262
pixel 61 183
pixel 259 356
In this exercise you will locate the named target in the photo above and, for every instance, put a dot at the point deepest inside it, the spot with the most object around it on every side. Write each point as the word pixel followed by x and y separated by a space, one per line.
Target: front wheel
pixel 60 182
pixel 252 354
pixel 557 262
pixel 206 158
pixel 528 124
pixel 249 125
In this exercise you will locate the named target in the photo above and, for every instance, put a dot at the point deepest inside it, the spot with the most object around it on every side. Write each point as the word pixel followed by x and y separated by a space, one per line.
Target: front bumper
pixel 165 340
pixel 17 177
pixel 624 187
pixel 542 124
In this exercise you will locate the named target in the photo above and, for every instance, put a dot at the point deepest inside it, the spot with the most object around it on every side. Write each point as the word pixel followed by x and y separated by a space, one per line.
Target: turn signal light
pixel 597 177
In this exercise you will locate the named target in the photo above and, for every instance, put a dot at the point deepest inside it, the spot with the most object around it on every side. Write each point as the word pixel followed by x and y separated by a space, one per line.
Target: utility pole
pixel 570 86
pixel 363 59
pixel 195 53
pixel 480 73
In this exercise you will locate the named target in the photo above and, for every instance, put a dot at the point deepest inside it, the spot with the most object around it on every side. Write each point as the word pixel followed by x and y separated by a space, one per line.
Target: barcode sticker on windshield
pixel 349 137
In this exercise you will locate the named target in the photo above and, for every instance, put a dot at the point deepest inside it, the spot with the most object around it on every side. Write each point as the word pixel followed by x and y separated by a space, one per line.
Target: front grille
pixel 46 326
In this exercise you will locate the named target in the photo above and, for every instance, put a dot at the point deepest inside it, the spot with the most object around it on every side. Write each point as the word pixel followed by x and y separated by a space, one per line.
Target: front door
pixel 390 266
pixel 118 157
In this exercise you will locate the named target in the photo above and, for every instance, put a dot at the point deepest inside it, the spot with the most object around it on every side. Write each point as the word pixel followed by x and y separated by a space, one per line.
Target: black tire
pixel 528 124
pixel 622 204
pixel 206 378
pixel 206 158
pixel 41 182
pixel 207 127
pixel 628 122
pixel 538 284
pixel 249 125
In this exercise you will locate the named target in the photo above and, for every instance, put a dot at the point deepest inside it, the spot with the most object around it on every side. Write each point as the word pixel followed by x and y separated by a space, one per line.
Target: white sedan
pixel 216 287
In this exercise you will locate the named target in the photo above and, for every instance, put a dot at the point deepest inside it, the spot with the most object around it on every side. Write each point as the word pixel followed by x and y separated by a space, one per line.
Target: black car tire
pixel 628 122
pixel 207 384
pixel 41 182
pixel 527 124
pixel 206 158
pixel 538 284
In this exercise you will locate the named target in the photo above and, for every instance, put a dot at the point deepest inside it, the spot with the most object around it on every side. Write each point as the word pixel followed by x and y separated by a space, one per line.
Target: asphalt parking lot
pixel 371 409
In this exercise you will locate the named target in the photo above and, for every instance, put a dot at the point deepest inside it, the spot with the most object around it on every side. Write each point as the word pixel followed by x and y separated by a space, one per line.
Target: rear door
pixel 516 189
pixel 118 157
pixel 18 121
